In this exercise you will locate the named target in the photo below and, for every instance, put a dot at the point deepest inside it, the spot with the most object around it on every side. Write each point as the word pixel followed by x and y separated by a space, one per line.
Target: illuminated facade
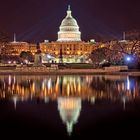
pixel 73 52
pixel 15 48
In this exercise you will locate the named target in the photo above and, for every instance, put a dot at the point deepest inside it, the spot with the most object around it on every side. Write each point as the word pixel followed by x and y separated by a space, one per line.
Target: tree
pixel 100 57
pixel 129 51
pixel 4 38
pixel 26 56
pixel 117 52
pixel 126 47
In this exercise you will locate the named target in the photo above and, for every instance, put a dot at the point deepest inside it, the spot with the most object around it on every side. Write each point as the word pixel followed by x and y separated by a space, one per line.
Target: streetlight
pixel 129 58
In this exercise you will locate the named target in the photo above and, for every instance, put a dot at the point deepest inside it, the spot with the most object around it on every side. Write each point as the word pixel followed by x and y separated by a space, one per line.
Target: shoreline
pixel 68 72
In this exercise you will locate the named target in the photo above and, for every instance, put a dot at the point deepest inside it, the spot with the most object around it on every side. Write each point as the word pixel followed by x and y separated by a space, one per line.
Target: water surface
pixel 70 106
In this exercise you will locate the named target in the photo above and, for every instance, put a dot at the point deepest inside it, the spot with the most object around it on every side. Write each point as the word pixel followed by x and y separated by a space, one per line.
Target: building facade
pixel 72 52
pixel 15 48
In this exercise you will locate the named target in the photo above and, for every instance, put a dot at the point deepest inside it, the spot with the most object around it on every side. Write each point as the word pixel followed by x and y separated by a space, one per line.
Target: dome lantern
pixel 69 12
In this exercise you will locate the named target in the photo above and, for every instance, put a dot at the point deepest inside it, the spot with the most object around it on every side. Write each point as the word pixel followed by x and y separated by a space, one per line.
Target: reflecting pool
pixel 70 106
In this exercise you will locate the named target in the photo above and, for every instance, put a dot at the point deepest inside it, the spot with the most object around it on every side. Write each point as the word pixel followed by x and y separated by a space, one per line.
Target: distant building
pixel 16 47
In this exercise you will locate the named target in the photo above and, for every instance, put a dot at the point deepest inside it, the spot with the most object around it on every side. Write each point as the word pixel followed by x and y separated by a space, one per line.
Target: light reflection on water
pixel 70 91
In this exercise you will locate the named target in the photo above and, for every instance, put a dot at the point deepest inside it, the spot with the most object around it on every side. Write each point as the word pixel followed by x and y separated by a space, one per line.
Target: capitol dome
pixel 69 29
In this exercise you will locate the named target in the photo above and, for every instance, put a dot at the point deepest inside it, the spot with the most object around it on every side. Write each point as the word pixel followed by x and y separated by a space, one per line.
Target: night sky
pixel 37 20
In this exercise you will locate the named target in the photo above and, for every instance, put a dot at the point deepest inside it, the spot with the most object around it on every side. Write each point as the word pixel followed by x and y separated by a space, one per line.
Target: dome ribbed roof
pixel 69 20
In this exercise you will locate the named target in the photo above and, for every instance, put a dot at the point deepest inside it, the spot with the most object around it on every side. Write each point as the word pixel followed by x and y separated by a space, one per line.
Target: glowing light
pixel 49 56
pixel 128 58
pixel 33 87
pixel 9 80
pixel 124 102
pixel 14 62
pixel 68 89
pixel 79 52
pixel 93 100
pixel 46 99
pixel 26 61
pixel 128 83
pixel 15 99
pixel 49 84
pixel 9 62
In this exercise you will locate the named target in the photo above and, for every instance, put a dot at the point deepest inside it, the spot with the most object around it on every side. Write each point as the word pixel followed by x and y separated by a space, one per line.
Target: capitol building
pixel 69 43
pixel 68 47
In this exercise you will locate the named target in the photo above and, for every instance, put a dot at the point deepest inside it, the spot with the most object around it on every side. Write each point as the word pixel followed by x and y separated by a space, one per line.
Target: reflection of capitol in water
pixel 69 91
pixel 69 109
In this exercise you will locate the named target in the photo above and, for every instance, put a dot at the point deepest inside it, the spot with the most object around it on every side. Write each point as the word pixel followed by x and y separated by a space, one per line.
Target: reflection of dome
pixel 69 29
pixel 69 108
